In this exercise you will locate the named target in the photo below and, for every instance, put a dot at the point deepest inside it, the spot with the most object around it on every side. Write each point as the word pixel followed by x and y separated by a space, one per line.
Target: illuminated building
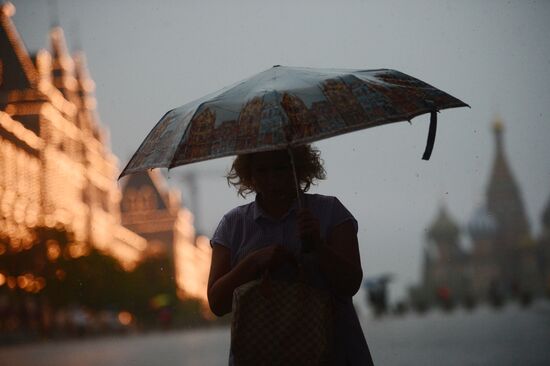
pixel 56 170
pixel 152 210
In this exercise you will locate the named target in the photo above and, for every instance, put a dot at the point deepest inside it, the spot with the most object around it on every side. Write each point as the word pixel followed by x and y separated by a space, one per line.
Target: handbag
pixel 281 323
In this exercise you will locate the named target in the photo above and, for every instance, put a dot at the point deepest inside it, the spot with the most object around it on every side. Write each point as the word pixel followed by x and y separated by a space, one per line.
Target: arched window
pixel 129 202
pixel 147 199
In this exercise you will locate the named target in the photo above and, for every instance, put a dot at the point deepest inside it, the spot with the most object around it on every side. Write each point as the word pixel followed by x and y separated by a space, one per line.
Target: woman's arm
pixel 223 280
pixel 338 257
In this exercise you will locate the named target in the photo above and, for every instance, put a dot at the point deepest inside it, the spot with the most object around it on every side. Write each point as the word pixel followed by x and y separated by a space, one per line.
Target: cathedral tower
pixel 504 200
pixel 505 204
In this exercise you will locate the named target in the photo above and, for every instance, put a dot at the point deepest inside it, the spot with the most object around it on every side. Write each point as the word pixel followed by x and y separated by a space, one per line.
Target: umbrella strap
pixel 431 136
pixel 298 196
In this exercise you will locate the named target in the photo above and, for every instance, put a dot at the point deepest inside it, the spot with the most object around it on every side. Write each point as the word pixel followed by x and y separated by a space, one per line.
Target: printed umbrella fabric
pixel 286 106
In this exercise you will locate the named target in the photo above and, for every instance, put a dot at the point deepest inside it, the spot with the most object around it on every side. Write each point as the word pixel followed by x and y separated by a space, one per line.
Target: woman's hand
pixel 223 280
pixel 269 258
pixel 309 230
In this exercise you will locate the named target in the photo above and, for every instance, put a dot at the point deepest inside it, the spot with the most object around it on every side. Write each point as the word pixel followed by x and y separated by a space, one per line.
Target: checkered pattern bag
pixel 281 323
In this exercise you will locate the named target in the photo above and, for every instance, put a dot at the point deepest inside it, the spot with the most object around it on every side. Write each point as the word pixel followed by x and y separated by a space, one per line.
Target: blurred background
pixel 455 251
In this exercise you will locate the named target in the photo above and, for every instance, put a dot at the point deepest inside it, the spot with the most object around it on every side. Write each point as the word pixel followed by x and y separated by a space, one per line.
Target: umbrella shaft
pixel 298 197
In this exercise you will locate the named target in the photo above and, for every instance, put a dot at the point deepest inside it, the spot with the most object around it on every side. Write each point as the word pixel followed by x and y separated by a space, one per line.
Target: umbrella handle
pixel 431 136
pixel 298 197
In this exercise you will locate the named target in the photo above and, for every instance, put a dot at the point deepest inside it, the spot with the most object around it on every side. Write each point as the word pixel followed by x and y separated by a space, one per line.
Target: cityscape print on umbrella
pixel 276 115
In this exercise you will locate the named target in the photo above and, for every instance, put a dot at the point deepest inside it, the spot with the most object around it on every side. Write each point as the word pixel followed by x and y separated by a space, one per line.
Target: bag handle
pixel 266 286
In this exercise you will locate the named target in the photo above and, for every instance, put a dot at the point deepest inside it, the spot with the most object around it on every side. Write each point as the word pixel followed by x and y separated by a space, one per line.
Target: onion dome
pixel 444 228
pixel 482 225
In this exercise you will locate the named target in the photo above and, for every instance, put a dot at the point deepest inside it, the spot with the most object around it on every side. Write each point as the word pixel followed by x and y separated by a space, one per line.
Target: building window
pixel 130 198
pixel 147 198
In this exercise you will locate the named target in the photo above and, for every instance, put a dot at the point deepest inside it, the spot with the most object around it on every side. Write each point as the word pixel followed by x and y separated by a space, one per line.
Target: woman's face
pixel 272 175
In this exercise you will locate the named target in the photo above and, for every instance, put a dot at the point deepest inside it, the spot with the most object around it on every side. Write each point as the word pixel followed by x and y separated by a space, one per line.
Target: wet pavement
pixel 511 336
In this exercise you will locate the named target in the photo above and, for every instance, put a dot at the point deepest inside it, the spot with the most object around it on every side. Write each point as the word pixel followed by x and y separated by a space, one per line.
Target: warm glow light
pixel 27 245
pixel 43 176
pixel 22 281
pixel 16 243
pixel 12 282
pixel 53 250
pixel 125 318
pixel 2 279
pixel 49 221
pixel 60 274
pixel 41 282
pixel 18 129
pixel 74 251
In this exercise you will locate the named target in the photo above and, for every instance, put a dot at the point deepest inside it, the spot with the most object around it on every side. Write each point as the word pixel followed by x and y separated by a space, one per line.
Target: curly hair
pixel 309 167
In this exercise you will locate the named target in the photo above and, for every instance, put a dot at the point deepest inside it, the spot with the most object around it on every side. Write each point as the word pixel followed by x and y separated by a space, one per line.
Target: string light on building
pixel 55 170
pixel 59 198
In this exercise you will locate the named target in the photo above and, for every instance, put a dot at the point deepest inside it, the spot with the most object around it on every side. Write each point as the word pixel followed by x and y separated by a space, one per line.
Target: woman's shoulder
pixel 321 199
pixel 230 224
pixel 329 205
pixel 237 212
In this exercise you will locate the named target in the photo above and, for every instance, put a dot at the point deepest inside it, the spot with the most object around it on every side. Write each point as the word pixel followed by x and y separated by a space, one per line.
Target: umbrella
pixel 284 107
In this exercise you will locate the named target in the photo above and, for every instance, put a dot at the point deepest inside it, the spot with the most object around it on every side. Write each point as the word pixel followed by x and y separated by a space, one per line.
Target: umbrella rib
pixel 328 99
pixel 124 172
pixel 277 97
pixel 283 111
pixel 177 151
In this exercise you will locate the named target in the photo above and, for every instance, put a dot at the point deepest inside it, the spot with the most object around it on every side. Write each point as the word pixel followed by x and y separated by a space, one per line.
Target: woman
pixel 267 232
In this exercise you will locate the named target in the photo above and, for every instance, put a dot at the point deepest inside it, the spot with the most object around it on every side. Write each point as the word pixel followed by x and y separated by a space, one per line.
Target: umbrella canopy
pixel 283 107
